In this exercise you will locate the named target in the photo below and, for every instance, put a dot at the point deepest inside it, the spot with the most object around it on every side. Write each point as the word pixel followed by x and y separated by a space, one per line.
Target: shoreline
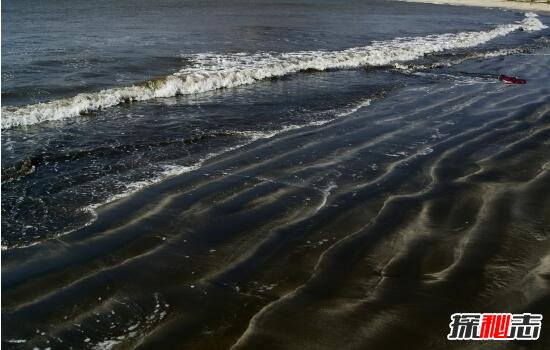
pixel 540 8
pixel 416 193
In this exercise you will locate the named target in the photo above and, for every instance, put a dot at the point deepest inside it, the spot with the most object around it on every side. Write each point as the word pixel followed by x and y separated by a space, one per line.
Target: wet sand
pixel 367 232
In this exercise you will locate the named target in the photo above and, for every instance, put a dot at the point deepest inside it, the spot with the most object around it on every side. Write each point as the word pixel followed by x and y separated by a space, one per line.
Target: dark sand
pixel 364 233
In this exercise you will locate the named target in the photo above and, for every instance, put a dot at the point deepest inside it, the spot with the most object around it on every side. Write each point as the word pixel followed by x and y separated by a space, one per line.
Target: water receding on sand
pixel 329 208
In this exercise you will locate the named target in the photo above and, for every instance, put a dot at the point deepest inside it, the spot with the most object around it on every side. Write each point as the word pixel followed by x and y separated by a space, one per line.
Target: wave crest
pixel 213 71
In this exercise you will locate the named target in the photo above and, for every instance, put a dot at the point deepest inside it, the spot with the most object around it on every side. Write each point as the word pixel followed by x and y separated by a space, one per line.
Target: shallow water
pixel 375 176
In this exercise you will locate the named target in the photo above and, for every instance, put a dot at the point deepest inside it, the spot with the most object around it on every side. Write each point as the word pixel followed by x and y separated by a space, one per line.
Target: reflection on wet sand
pixel 430 201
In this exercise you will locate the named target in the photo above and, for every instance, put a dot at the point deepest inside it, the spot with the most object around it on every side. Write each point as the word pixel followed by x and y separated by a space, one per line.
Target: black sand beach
pixel 424 192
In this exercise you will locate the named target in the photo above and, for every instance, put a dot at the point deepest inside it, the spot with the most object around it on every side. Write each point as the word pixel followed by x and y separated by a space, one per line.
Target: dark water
pixel 58 48
pixel 283 175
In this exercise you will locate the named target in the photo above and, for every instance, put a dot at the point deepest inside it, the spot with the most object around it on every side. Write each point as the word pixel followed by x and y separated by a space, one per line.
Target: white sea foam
pixel 139 327
pixel 212 71
pixel 409 68
pixel 354 109
pixel 174 170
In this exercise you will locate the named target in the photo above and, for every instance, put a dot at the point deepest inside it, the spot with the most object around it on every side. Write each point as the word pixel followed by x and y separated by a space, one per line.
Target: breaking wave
pixel 214 71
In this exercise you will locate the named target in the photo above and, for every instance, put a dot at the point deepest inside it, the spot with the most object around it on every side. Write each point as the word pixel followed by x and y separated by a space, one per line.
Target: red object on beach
pixel 511 80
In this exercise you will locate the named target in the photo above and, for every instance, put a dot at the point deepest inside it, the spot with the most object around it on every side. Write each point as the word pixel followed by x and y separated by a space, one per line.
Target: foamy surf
pixel 408 68
pixel 212 71
pixel 171 170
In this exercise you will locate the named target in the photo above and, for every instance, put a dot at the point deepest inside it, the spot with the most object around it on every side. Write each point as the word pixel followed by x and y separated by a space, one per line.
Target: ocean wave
pixel 452 60
pixel 213 71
